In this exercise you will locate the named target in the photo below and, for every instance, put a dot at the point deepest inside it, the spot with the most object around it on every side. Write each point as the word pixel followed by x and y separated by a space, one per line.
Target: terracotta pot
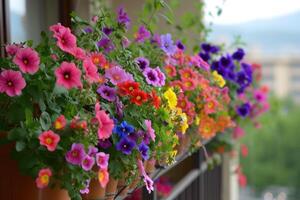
pixel 150 165
pixel 14 186
pixel 183 144
pixel 96 191
pixel 134 183
pixel 111 189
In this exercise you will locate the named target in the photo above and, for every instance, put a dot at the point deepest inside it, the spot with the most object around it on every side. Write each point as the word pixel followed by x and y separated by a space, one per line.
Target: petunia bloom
pixel 49 139
pixel 105 124
pixel 144 150
pixel 68 76
pixel 76 155
pixel 28 60
pixel 142 34
pixel 43 178
pixel 238 54
pixel 91 71
pixel 142 62
pixel 87 163
pixel 243 110
pixel 66 41
pixel 60 122
pixel 11 49
pixel 92 151
pixel 123 17
pixel 117 75
pixel 167 44
pixel 11 82
pixel 102 160
pixel 107 93
pixel 124 129
pixel 103 177
pixel 151 76
pixel 149 129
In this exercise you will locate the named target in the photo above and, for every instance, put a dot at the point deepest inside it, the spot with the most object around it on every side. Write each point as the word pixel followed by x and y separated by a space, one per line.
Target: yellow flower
pixel 197 120
pixel 184 123
pixel 171 98
pixel 219 79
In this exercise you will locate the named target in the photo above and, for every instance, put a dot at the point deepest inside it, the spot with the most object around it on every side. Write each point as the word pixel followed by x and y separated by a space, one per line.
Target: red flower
pixel 155 99
pixel 127 87
pixel 138 97
pixel 49 139
pixel 60 122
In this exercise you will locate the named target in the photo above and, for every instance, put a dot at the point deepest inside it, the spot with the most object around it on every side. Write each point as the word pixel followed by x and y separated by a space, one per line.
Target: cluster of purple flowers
pixel 131 139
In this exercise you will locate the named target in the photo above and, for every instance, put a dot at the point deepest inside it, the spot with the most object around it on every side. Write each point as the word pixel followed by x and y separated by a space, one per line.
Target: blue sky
pixel 240 11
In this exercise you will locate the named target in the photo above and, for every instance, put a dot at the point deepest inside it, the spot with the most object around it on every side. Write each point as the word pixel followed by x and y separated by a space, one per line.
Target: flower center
pixel 49 140
pixel 74 153
pixel 9 83
pixel 130 88
pixel 151 76
pixel 125 146
pixel 25 61
pixel 45 179
pixel 116 77
pixel 67 75
pixel 138 98
pixel 96 60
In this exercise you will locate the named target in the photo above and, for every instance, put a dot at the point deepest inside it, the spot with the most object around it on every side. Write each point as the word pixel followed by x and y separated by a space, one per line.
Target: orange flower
pixel 224 122
pixel 207 127
pixel 103 177
pixel 42 180
pixel 138 97
pixel 210 106
pixel 127 87
pixel 170 70
pixel 155 99
pixel 98 59
pixel 60 122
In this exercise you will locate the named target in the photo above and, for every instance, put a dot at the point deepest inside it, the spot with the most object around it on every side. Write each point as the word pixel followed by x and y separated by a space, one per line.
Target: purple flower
pixel 214 49
pixel 238 55
pixel 180 45
pixel 204 56
pixel 206 47
pixel 148 183
pixel 76 154
pixel 125 145
pixel 102 160
pixel 226 62
pixel 144 150
pixel 117 75
pixel 88 30
pixel 125 42
pixel 167 44
pixel 106 143
pixel 144 136
pixel 106 44
pixel 119 107
pixel 124 129
pixel 247 68
pixel 87 163
pixel 244 110
pixel 107 92
pixel 142 34
pixel 142 62
pixel 92 151
pixel 86 189
pixel 107 31
pixel 242 79
pixel 123 18
pixel 156 39
pixel 151 76
pixel 161 76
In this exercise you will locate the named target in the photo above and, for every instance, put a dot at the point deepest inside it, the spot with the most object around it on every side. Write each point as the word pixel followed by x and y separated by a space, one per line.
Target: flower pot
pixel 182 147
pixel 96 191
pixel 14 186
pixel 150 165
pixel 134 184
pixel 111 189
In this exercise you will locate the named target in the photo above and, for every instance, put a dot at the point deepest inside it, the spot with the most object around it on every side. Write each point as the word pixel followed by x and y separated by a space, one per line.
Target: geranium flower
pixel 151 76
pixel 170 70
pixel 171 98
pixel 68 76
pixel 107 92
pixel 127 87
pixel 142 34
pixel 105 124
pixel 103 177
pixel 125 146
pixel 60 122
pixel 167 44
pixel 117 75
pixel 11 49
pixel 11 82
pixel 28 60
pixel 149 129
pixel 102 160
pixel 98 59
pixel 87 163
pixel 43 178
pixel 142 62
pixel 138 97
pixel 49 139
pixel 124 129
pixel 144 150
pixel 76 155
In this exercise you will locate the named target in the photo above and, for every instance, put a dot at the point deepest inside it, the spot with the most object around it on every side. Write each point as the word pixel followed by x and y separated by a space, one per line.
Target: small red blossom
pixel 138 97
pixel 127 87
pixel 155 99
pixel 60 122
pixel 49 139
pixel 43 178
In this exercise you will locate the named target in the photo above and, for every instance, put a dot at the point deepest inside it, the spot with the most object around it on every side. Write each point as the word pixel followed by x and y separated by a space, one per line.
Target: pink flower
pixel 103 177
pixel 198 62
pixel 11 82
pixel 242 180
pixel 78 53
pixel 150 130
pixel 87 163
pixel 186 73
pixel 68 76
pixel 102 160
pixel 91 71
pixel 210 106
pixel 12 49
pixel 42 180
pixel 60 122
pixel 170 70
pixel 28 60
pixel 188 84
pixel 105 124
pixel 238 132
pixel 49 139
pixel 66 41
pixel 147 180
pixel 244 150
pixel 57 29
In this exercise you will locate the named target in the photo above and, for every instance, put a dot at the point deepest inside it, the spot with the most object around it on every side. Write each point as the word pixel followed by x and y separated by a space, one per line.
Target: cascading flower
pixel 49 139
pixel 142 34
pixel 138 97
pixel 60 122
pixel 107 93
pixel 11 49
pixel 28 60
pixel 102 160
pixel 117 75
pixel 68 76
pixel 149 130
pixel 91 71
pixel 151 76
pixel 87 163
pixel 11 82
pixel 125 146
pixel 76 155
pixel 105 124
pixel 43 178
pixel 66 41
pixel 103 177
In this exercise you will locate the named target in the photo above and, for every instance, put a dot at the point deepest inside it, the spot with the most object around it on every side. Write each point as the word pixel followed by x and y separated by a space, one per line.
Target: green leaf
pixel 20 145
pixel 16 133
pixel 45 121
pixel 28 117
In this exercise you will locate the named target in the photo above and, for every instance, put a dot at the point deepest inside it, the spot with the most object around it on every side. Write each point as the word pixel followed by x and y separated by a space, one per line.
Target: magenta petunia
pixel 76 155
pixel 78 53
pixel 105 124
pixel 161 76
pixel 68 76
pixel 117 75
pixel 102 160
pixel 11 49
pixel 28 60
pixel 66 41
pixel 142 34
pixel 151 76
pixel 87 163
pixel 91 71
pixel 11 82
pixel 150 131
